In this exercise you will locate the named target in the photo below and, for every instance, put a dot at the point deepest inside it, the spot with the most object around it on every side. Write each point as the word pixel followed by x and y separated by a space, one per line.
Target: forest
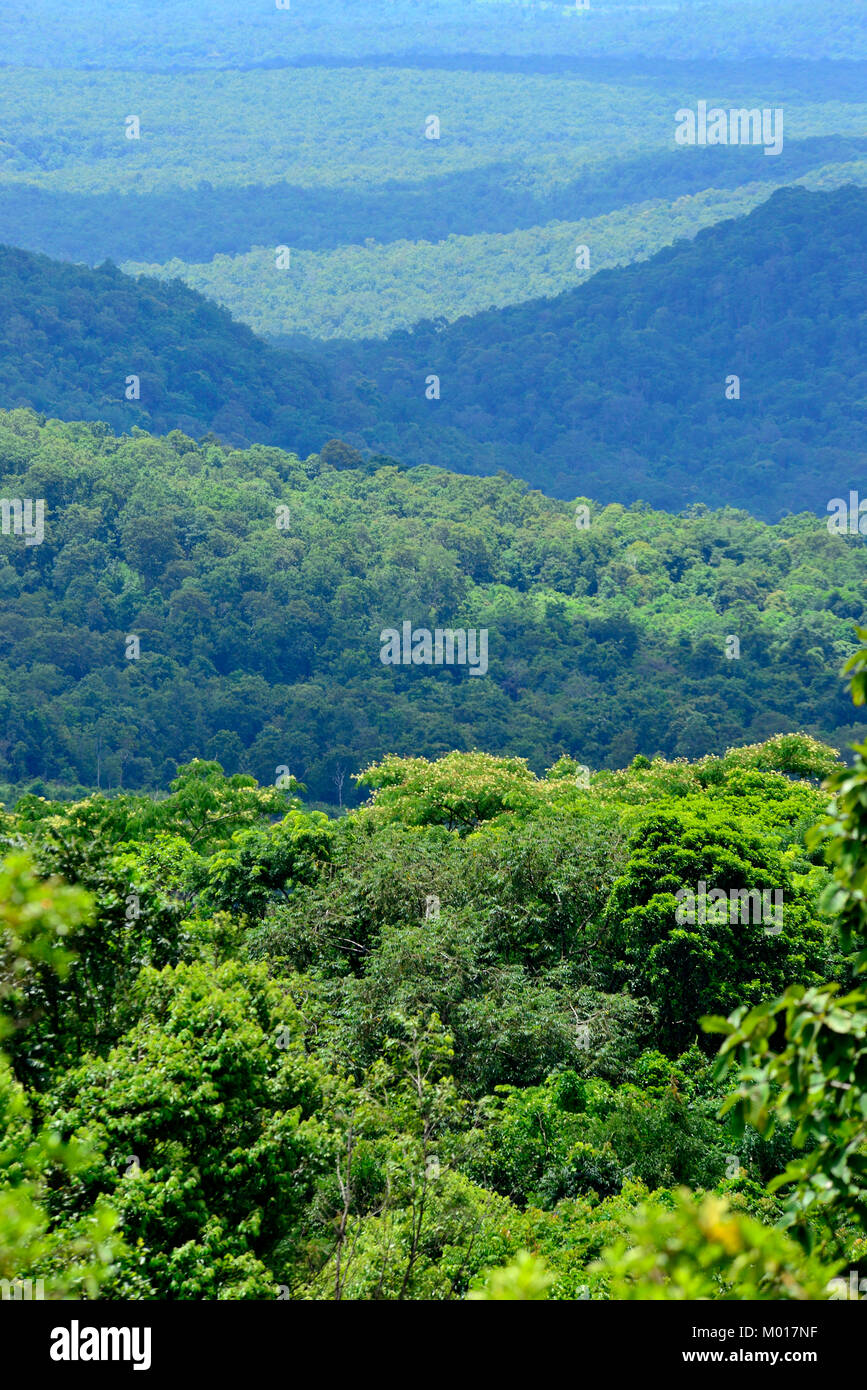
pixel 451 1045
pixel 433 669
pixel 385 225
pixel 73 340
pixel 363 292
pixel 563 392
pixel 258 584
pixel 627 376
pixel 197 224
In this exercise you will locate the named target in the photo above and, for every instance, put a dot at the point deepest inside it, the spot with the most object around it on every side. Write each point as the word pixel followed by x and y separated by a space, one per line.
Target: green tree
pixel 72 1256
pixel 206 1115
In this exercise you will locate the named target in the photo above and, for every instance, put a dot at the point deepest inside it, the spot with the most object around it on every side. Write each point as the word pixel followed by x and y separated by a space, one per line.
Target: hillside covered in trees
pixel 72 341
pixel 592 392
pixel 622 389
pixel 193 225
pixel 259 586
pixel 370 291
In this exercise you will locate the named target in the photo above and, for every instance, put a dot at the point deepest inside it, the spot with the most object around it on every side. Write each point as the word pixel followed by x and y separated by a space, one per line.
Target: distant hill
pixel 615 390
pixel 260 643
pixel 71 336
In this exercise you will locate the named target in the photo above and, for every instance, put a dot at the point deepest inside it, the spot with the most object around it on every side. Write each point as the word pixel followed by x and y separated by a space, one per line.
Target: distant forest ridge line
pixel 588 392
pixel 227 163
pixel 183 34
pixel 359 292
pixel 833 78
pixel 195 224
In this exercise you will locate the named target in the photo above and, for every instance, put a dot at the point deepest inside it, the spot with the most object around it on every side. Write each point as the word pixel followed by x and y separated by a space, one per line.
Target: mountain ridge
pixel 590 392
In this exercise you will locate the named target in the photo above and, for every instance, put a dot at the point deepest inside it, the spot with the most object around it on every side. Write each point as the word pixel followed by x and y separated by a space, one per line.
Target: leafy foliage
pixel 699 1249
pixel 288 1075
